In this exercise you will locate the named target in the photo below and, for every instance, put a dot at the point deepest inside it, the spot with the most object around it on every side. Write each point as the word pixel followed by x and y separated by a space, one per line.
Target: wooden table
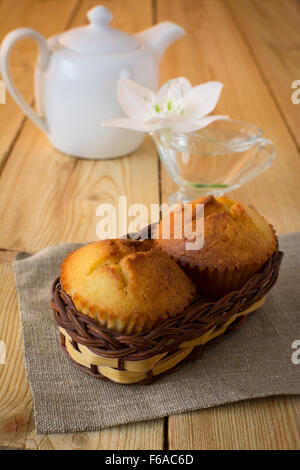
pixel 253 47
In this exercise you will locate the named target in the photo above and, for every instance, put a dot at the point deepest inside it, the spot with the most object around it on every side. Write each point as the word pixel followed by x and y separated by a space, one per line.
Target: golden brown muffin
pixel 237 242
pixel 126 285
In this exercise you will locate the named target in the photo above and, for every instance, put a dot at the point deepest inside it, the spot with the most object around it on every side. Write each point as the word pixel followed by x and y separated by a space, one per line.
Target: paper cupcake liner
pixel 216 283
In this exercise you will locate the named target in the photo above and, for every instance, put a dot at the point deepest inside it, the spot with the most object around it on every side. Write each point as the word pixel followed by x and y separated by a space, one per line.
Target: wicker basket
pixel 142 358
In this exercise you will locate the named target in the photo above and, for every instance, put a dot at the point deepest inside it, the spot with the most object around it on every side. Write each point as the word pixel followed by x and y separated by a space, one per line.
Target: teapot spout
pixel 160 37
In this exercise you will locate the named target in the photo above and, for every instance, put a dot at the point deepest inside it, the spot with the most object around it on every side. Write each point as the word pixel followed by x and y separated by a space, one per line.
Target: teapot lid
pixel 98 36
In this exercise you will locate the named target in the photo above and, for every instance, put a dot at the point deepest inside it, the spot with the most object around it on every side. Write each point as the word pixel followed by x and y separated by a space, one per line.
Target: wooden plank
pixel 215 50
pixel 37 15
pixel 56 200
pixel 277 55
pixel 15 408
pixel 58 195
pixel 269 424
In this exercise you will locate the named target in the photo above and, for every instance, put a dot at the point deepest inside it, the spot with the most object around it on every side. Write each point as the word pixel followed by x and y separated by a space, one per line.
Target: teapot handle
pixel 43 59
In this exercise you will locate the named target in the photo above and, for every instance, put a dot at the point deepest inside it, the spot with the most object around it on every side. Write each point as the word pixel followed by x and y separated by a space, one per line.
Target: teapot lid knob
pixel 98 37
pixel 100 16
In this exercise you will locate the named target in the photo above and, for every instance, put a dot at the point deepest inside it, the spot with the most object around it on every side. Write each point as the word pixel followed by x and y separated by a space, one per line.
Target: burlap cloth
pixel 254 361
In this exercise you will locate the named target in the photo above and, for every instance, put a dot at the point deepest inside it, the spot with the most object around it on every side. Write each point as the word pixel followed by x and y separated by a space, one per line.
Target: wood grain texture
pixel 15 405
pixel 215 50
pixel 56 200
pixel 277 55
pixel 58 195
pixel 269 424
pixel 35 14
pixel 47 197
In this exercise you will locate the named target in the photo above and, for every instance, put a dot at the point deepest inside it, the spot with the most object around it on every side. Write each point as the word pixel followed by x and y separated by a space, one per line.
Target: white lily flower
pixel 176 106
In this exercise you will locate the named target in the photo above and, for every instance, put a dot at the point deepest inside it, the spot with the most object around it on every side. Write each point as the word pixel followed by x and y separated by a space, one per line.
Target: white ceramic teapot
pixel 76 77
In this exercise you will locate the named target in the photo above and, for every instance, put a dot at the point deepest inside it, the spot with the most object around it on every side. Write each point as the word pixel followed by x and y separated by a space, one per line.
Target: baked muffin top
pixel 126 285
pixel 235 235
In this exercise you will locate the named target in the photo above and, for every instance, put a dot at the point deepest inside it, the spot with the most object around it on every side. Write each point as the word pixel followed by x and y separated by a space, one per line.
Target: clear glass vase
pixel 213 160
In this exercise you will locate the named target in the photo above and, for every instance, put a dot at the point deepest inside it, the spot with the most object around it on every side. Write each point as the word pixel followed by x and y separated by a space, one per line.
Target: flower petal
pixel 202 99
pixel 174 123
pixel 193 125
pixel 135 99
pixel 132 124
pixel 175 88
